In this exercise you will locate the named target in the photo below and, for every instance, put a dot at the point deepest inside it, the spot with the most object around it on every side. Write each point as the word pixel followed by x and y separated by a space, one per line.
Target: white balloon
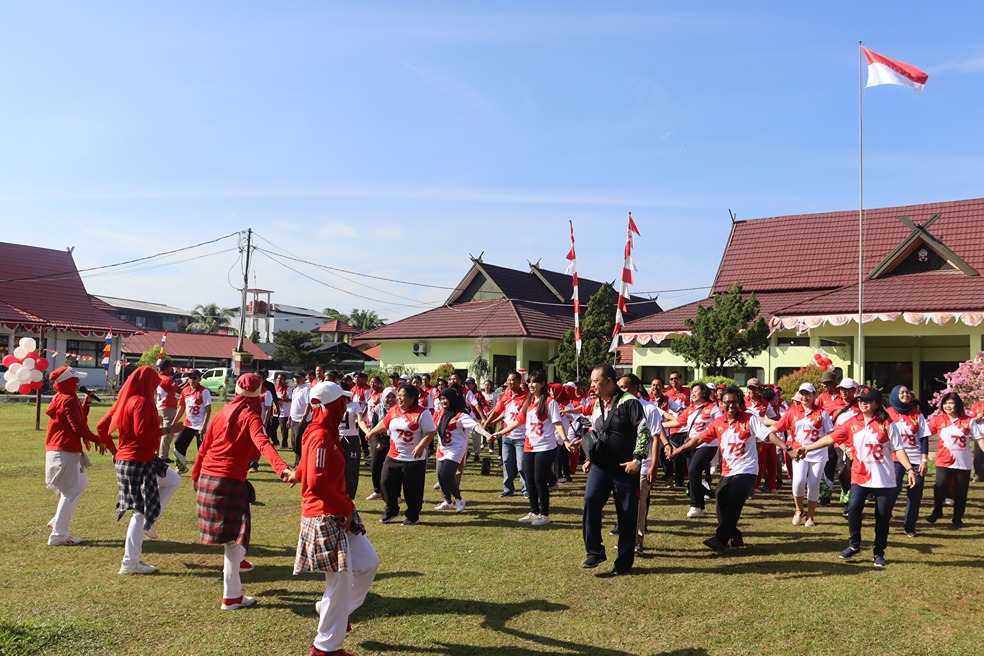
pixel 36 376
pixel 9 375
pixel 24 375
pixel 15 367
pixel 28 343
pixel 13 386
pixel 20 352
pixel 28 364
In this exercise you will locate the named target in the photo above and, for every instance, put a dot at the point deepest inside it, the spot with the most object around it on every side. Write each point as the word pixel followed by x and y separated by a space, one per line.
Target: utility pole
pixel 240 358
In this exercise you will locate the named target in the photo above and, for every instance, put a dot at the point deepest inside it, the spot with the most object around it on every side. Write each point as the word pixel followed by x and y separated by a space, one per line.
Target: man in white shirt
pixel 299 412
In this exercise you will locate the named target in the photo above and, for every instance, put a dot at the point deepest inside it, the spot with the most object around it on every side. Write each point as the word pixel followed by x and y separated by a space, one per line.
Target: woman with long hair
pixel 233 439
pixel 871 436
pixel 543 426
pixel 696 417
pixel 454 425
pixel 411 430
pixel 146 484
pixel 955 431
pixel 904 411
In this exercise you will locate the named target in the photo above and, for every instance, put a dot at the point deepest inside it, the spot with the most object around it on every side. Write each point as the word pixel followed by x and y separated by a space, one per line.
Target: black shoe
pixel 824 502
pixel 386 519
pixel 475 458
pixel 847 512
pixel 736 541
pixel 957 523
pixel 614 530
pixel 411 522
pixel 849 553
pixel 933 517
pixel 621 572
pixel 506 494
pixel 715 544
pixel 593 561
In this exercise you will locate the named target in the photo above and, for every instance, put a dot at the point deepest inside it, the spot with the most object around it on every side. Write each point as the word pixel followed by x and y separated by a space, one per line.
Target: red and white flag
pixel 161 353
pixel 882 70
pixel 628 266
pixel 572 269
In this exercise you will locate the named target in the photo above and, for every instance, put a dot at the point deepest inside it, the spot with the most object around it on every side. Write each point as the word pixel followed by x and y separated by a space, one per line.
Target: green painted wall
pixel 461 352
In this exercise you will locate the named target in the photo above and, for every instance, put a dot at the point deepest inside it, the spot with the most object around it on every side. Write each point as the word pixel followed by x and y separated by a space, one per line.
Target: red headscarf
pixel 560 394
pixel 142 383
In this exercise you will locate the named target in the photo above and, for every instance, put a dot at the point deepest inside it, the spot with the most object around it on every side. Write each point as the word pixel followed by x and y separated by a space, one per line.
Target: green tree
pixel 331 314
pixel 726 333
pixel 596 337
pixel 149 358
pixel 362 319
pixel 293 348
pixel 209 319
pixel 255 337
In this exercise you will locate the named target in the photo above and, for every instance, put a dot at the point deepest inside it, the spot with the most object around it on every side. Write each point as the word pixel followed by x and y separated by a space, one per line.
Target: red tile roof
pixel 672 320
pixel 46 290
pixel 336 326
pixel 821 250
pixel 191 345
pixel 497 318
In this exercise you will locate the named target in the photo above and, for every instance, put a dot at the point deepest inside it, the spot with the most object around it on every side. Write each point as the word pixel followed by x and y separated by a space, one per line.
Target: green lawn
pixel 479 583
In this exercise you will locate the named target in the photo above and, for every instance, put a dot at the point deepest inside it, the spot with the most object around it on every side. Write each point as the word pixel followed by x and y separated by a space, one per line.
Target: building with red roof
pixel 514 319
pixel 923 295
pixel 192 350
pixel 42 296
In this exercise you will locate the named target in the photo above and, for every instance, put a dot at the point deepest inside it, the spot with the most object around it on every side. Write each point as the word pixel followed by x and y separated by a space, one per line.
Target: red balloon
pixel 34 356
pixel 9 360
pixel 41 364
pixel 25 389
pixel 36 386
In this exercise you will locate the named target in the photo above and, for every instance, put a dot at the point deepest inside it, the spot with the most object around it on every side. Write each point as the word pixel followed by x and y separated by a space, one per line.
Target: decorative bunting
pixel 107 349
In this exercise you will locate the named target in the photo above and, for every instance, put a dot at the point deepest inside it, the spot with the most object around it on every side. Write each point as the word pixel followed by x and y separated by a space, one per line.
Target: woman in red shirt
pixel 332 538
pixel 64 461
pixel 145 481
pixel 954 460
pixel 234 438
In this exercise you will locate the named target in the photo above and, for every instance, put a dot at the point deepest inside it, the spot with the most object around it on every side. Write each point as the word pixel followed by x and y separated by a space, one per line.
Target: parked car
pixel 218 381
pixel 272 377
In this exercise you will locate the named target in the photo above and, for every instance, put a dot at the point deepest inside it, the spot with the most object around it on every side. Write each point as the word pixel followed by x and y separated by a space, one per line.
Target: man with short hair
pixel 677 398
pixel 195 406
pixel 617 422
pixel 300 411
pixel 508 409
pixel 167 407
pixel 631 384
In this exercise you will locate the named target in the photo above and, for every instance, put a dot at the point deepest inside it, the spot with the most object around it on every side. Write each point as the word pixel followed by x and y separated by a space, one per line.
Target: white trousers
pixel 66 510
pixel 232 585
pixel 806 478
pixel 133 547
pixel 345 592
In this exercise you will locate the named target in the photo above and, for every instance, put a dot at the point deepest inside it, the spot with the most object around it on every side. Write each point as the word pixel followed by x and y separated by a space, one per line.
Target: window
pixel 792 341
pixel 648 373
pixel 742 375
pixel 85 354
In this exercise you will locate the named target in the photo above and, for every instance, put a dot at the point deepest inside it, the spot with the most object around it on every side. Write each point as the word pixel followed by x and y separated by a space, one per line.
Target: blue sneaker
pixel 880 561
pixel 849 553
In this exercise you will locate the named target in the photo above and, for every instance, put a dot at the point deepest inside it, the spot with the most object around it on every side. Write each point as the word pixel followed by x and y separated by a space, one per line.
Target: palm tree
pixel 365 320
pixel 209 319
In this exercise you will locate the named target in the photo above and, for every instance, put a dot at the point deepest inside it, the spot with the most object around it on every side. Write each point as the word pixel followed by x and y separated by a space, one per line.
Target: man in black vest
pixel 618 422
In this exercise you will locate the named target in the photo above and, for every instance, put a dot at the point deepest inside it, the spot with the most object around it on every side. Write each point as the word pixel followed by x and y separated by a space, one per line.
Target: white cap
pixel 69 372
pixel 807 387
pixel 405 377
pixel 848 383
pixel 325 392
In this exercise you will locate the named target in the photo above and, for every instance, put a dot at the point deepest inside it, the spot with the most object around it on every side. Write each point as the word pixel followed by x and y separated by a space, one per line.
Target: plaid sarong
pixel 322 545
pixel 223 510
pixel 139 490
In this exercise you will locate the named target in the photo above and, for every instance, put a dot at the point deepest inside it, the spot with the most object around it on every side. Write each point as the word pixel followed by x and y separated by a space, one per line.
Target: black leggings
pixel 282 421
pixel 538 467
pixel 376 459
pixel 447 476
pixel 408 475
pixel 562 464
pixel 184 440
pixel 700 462
pixel 960 479
pixel 732 493
pixel 353 458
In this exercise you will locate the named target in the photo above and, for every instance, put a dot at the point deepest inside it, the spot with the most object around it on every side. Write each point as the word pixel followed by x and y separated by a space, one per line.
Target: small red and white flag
pixel 572 269
pixel 162 353
pixel 882 70
pixel 628 266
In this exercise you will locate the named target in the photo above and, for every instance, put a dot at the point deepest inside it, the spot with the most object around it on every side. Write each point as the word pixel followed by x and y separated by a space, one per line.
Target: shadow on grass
pixel 573 649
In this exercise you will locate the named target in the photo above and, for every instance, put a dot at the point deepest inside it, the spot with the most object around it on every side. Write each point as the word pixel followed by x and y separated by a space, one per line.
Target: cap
pixel 470 380
pixel 722 386
pixel 300 374
pixel 194 373
pixel 403 377
pixel 394 375
pixel 326 392
pixel 828 377
pixel 869 394
pixel 249 385
pixel 64 373
pixel 807 387
pixel 848 383
pixel 573 385
pixel 753 382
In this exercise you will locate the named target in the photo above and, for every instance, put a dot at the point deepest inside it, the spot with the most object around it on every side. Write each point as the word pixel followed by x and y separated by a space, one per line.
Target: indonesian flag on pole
pixel 882 70
pixel 160 354
pixel 628 266
pixel 572 269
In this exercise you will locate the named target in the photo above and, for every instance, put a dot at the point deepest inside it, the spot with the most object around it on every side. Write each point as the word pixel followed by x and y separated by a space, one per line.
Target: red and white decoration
pixel 821 360
pixel 803 324
pixel 572 269
pixel 160 355
pixel 628 266
pixel 25 368
pixel 882 70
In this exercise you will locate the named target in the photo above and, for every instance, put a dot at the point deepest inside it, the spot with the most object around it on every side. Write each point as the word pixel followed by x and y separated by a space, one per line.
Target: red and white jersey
pixel 804 428
pixel 697 418
pixel 829 402
pixel 349 425
pixel 871 444
pixel 842 412
pixel 738 441
pixel 167 393
pixel 511 407
pixel 195 403
pixel 453 445
pixel 541 434
pixel 426 401
pixel 912 425
pixel 760 408
pixel 406 430
pixel 954 449
pixel 373 399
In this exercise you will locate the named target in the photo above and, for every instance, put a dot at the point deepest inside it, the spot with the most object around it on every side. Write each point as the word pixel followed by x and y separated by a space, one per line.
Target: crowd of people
pixel 626 437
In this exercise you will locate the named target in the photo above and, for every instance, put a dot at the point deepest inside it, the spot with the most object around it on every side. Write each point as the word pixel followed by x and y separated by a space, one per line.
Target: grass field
pixel 478 582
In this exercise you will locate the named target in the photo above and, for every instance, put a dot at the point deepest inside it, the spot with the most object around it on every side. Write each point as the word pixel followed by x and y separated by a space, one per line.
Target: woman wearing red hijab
pixel 233 439
pixel 146 483
pixel 65 462
pixel 332 538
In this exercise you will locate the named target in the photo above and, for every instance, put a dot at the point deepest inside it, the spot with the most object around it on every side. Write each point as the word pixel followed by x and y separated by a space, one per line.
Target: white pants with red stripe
pixel 345 592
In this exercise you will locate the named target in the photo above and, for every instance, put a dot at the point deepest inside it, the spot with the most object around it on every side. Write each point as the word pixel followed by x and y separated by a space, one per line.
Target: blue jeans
pixel 914 495
pixel 884 502
pixel 512 464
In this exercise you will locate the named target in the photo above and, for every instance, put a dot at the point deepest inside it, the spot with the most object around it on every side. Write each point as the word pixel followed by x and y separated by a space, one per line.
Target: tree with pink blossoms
pixel 967 380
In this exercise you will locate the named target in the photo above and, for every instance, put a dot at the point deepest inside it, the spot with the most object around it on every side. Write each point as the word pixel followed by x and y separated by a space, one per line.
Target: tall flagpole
pixel 860 346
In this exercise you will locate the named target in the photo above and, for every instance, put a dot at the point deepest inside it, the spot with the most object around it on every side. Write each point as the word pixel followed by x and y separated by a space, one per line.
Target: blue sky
pixel 395 138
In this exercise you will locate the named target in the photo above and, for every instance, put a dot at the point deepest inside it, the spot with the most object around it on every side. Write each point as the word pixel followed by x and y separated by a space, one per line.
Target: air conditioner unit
pixel 419 348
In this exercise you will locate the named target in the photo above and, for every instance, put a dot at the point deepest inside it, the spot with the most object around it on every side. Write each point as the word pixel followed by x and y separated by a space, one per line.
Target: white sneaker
pixel 459 505
pixel 437 486
pixel 541 520
pixel 68 541
pixel 528 517
pixel 444 505
pixel 375 496
pixel 317 606
pixel 138 568
pixel 948 502
pixel 152 532
pixel 694 512
pixel 243 602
